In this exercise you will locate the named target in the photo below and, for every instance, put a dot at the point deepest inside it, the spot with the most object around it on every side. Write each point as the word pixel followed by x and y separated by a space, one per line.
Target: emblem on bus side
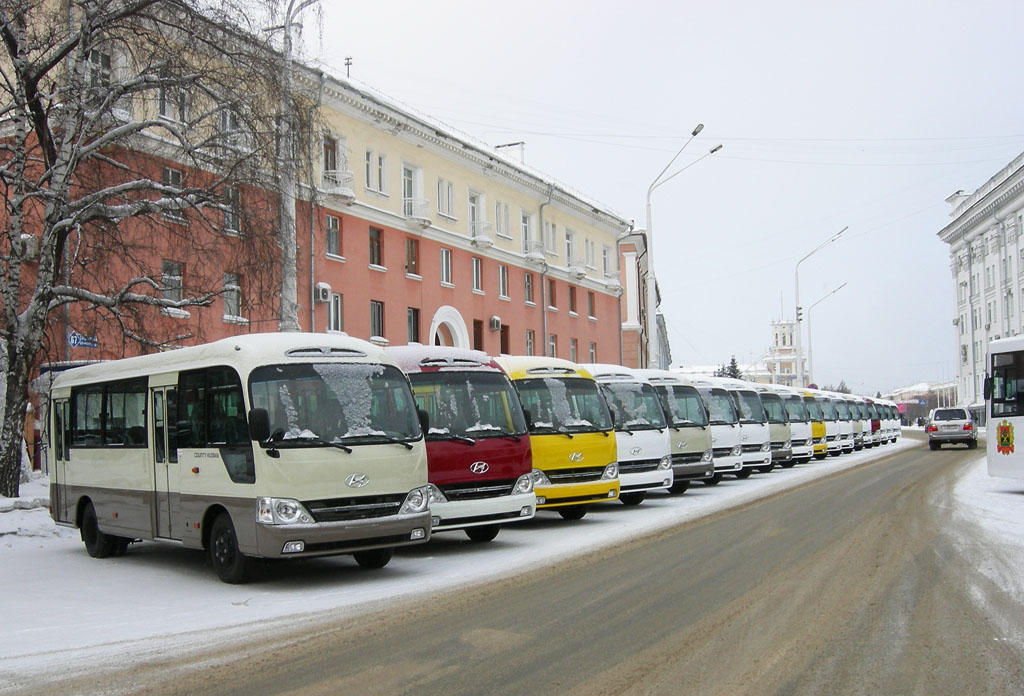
pixel 576 457
pixel 1004 437
pixel 479 467
pixel 356 480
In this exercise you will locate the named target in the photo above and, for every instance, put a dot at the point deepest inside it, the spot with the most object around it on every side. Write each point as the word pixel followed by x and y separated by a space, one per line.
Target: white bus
pixel 266 445
pixel 1004 399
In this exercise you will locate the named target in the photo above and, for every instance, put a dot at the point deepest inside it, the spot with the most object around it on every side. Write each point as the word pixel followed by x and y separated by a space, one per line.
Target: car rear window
pixel 950 414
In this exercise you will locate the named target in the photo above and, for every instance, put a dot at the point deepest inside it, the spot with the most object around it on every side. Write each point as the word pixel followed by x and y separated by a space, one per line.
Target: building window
pixel 335 315
pixel 174 104
pixel 478 334
pixel 573 348
pixel 232 295
pixel 412 321
pixel 376 171
pixel 477 222
pixel 606 258
pixel 478 283
pixel 100 70
pixel 376 247
pixel 233 211
pixel 333 225
pixel 593 352
pixel 549 237
pixel 503 281
pixel 446 198
pixel 446 266
pixel 552 301
pixel 590 255
pixel 591 305
pixel 526 230
pixel 570 246
pixel 170 279
pixel 412 191
pixel 230 135
pixel 412 256
pixel 501 221
pixel 529 342
pixel 552 346
pixel 376 318
pixel 528 287
pixel 172 178
pixel 572 299
pixel 330 159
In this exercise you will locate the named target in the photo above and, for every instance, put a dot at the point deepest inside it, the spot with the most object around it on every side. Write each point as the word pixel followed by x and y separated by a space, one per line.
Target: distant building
pixel 633 305
pixel 781 360
pixel 986 256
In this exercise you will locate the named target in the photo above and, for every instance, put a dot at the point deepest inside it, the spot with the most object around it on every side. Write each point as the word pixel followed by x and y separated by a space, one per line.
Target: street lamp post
pixel 799 349
pixel 651 323
pixel 810 354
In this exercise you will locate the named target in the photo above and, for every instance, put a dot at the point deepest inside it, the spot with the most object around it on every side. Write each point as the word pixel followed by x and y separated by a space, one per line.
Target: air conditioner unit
pixel 322 292
pixel 495 323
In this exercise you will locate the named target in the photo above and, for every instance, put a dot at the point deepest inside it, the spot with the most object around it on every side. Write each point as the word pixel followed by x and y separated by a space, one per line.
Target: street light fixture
pixel 810 354
pixel 799 350
pixel 653 352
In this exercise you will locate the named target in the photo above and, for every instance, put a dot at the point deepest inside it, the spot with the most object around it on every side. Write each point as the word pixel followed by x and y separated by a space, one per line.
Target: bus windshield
pixel 320 404
pixel 843 408
pixel 566 405
pixel 751 410
pixel 797 409
pixel 814 409
pixel 774 408
pixel 468 404
pixel 720 407
pixel 828 407
pixel 683 404
pixel 635 405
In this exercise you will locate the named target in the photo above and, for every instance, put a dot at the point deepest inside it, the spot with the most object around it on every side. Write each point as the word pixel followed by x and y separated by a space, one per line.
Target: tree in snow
pixel 129 131
pixel 730 370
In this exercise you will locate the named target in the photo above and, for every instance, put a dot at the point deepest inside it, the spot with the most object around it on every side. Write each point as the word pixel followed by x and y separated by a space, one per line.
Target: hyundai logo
pixel 680 445
pixel 356 480
pixel 576 457
pixel 479 467
pixel 636 450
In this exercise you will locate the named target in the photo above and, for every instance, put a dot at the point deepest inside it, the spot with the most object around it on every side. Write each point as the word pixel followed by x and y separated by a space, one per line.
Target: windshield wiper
pixel 383 438
pixel 565 431
pixel 319 441
pixel 457 438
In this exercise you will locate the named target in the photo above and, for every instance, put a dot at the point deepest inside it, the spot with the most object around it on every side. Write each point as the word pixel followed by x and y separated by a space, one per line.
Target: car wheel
pixel 374 559
pixel 632 498
pixel 933 446
pixel 231 565
pixel 483 533
pixel 97 544
pixel 973 444
pixel 679 487
pixel 573 512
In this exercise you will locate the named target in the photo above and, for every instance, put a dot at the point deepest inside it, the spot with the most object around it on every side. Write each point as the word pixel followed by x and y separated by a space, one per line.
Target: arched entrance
pixel 448 328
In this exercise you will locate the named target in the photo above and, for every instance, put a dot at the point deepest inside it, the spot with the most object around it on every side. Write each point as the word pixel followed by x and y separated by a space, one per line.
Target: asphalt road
pixel 850 584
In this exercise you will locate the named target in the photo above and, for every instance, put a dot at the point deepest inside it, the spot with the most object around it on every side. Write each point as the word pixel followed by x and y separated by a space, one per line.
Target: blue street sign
pixel 77 340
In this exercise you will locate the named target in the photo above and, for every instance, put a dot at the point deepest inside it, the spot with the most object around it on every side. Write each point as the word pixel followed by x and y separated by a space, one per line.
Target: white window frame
pixel 528 288
pixel 377 317
pixel 530 348
pixel 376 172
pixel 590 253
pixel 332 230
pixel 446 198
pixel 336 313
pixel 526 229
pixel 478 275
pixel 233 212
pixel 233 299
pixel 503 281
pixel 549 238
pixel 501 220
pixel 446 267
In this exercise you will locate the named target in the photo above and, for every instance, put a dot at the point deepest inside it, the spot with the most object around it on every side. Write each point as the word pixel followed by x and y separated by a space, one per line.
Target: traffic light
pixel 799 313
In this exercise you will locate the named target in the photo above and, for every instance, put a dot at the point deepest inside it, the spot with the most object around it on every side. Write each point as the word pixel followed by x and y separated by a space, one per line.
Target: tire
pixel 973 444
pixel 713 481
pixel 231 565
pixel 632 499
pixel 374 559
pixel 744 473
pixel 933 446
pixel 679 487
pixel 788 464
pixel 573 512
pixel 820 457
pixel 483 533
pixel 121 545
pixel 766 469
pixel 835 453
pixel 97 544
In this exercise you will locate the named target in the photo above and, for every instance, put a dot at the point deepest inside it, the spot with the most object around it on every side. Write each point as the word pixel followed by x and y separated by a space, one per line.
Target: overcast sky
pixel 832 114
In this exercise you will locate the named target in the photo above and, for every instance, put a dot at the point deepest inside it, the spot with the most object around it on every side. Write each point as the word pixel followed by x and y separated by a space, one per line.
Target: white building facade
pixel 986 251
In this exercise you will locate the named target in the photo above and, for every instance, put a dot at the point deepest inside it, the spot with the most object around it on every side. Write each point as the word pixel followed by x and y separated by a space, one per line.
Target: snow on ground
pixel 63 610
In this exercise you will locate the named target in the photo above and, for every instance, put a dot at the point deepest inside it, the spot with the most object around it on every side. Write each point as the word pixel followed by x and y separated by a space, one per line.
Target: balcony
pixel 339 186
pixel 577 268
pixel 480 234
pixel 417 211
pixel 534 250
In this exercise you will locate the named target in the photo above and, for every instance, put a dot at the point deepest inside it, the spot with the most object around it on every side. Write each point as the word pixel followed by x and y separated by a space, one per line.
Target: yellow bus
pixel 575 461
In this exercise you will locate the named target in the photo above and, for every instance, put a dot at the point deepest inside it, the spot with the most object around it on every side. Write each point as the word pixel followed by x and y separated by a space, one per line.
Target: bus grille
pixel 477 490
pixel 751 448
pixel 358 508
pixel 638 466
pixel 689 458
pixel 722 451
pixel 580 475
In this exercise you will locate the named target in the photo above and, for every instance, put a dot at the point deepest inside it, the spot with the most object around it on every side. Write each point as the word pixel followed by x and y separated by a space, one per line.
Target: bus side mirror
pixel 259 425
pixel 529 418
pixel 424 420
pixel 988 388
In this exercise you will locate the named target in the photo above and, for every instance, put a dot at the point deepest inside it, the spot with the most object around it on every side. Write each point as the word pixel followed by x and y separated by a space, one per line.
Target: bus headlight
pixel 435 494
pixel 788 445
pixel 281 511
pixel 539 478
pixel 524 484
pixel 737 451
pixel 418 500
pixel 766 447
pixel 665 462
pixel 707 456
pixel 611 471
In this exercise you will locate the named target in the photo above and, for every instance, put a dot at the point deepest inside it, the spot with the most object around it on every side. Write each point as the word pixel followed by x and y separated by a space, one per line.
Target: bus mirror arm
pixel 424 420
pixel 529 419
pixel 987 389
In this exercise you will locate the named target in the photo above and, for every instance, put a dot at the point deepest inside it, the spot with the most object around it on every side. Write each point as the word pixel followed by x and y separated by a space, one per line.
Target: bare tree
pixel 129 131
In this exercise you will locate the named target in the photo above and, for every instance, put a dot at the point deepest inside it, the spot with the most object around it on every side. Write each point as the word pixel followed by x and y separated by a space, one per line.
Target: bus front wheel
pixel 573 512
pixel 97 544
pixel 232 565
pixel 483 533
pixel 373 559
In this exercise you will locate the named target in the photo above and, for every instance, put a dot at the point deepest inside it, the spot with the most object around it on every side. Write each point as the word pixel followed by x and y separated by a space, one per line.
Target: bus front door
pixel 166 495
pixel 59 453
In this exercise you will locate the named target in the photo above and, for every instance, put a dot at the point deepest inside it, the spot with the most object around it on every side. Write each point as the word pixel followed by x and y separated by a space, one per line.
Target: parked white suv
pixel 951 425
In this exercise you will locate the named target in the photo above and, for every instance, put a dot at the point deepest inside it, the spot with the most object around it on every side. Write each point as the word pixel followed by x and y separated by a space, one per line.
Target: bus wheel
pixel 121 545
pixel 573 512
pixel 632 498
pixel 679 487
pixel 374 558
pixel 232 565
pixel 767 469
pixel 482 533
pixel 97 544
pixel 713 481
pixel 744 473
